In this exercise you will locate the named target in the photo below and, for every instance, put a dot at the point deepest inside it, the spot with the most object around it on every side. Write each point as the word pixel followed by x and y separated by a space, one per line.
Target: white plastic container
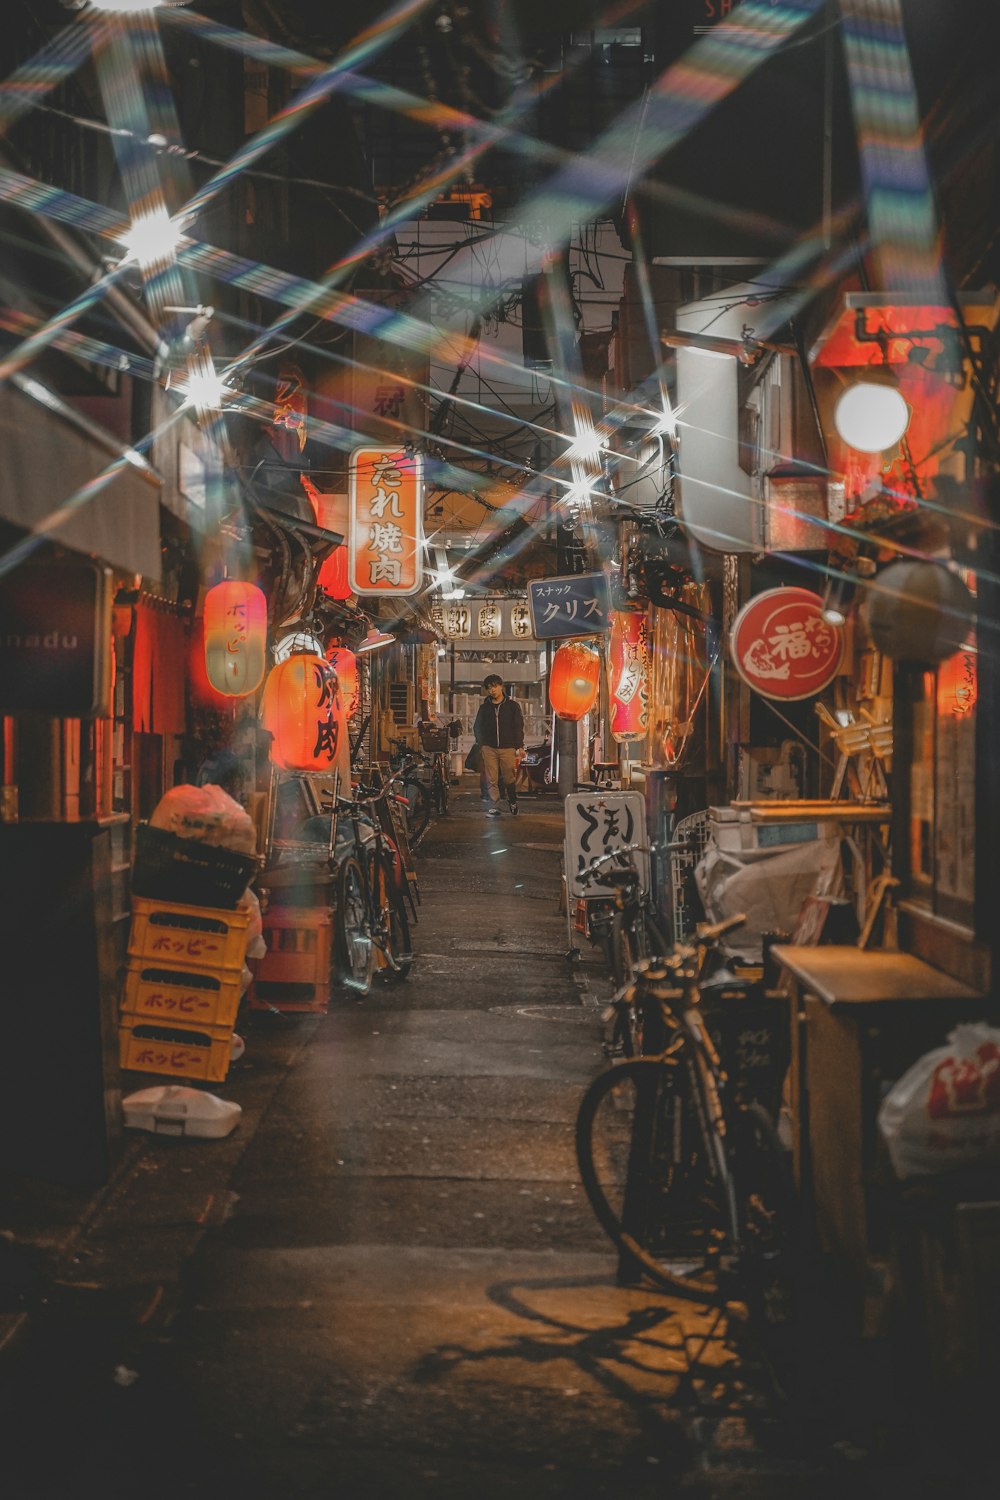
pixel 175 1109
pixel 735 830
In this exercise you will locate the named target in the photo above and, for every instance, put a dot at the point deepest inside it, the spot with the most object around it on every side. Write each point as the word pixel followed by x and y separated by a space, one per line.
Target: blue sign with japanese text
pixel 576 605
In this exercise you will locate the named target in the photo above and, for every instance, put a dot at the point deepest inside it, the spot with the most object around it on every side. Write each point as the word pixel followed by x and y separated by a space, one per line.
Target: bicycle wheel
pixel 647 1171
pixel 393 959
pixel 418 805
pixel 441 793
pixel 355 951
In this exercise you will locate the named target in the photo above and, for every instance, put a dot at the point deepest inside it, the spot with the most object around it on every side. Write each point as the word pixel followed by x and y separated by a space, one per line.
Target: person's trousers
pixel 497 763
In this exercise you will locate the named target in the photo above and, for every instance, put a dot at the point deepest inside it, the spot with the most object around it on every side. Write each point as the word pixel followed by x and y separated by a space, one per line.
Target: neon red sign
pixel 783 648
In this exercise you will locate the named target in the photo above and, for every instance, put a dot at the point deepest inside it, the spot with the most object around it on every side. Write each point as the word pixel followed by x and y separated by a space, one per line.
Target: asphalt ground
pixel 387 1281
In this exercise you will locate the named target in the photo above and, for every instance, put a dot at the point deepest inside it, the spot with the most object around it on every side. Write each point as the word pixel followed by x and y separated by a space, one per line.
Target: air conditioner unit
pixel 401 702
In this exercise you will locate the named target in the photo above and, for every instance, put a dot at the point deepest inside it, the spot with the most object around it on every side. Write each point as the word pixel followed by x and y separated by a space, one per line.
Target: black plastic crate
pixel 168 868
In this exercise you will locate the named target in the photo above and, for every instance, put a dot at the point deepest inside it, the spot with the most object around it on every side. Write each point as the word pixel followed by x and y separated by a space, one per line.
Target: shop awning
pixel 51 465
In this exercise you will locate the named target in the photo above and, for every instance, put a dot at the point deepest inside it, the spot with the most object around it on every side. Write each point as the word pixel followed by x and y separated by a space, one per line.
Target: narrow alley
pixel 388 1281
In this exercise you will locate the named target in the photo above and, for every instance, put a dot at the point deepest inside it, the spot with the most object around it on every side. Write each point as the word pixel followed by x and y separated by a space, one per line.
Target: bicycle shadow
pixel 667 1362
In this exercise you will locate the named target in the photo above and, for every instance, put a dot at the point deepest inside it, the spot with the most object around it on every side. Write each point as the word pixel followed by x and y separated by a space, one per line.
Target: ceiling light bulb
pixel 124 7
pixel 666 425
pixel 205 389
pixel 152 238
pixel 871 418
pixel 586 445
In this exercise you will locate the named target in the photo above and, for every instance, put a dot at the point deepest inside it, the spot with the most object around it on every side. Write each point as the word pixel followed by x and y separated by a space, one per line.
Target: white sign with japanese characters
pixel 597 823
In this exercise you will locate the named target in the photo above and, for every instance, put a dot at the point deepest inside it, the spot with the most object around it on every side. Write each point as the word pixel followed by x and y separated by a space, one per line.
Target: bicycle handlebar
pixel 708 932
pixel 617 856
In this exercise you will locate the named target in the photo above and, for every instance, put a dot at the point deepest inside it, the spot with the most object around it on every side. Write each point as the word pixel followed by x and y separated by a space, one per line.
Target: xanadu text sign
pixel 386 521
pixel 783 648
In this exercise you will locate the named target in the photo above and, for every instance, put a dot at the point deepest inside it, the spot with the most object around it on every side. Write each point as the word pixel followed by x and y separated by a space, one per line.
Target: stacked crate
pixel 182 989
pixel 294 974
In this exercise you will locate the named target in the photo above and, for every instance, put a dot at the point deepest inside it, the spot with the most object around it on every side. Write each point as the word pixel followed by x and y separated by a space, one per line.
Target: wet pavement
pixel 387 1281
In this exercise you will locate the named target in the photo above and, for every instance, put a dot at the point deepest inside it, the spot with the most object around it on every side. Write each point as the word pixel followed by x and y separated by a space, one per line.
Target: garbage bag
pixel 256 946
pixel 208 815
pixel 944 1112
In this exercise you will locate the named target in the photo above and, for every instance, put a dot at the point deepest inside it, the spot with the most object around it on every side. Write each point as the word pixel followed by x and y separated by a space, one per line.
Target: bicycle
pixel 424 786
pixel 372 932
pixel 393 815
pixel 679 1155
pixel 630 927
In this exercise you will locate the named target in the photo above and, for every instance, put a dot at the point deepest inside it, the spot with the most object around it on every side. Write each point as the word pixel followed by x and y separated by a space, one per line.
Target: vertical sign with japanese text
pixel 386 521
pixel 598 823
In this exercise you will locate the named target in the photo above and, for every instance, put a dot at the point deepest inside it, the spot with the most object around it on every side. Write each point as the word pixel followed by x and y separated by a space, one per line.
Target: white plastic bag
pixel 944 1112
pixel 208 815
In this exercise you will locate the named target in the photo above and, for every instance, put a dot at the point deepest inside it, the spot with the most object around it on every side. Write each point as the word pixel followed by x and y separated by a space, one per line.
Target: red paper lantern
pixel 332 576
pixel 575 679
pixel 345 664
pixel 303 712
pixel 235 637
pixel 958 685
pixel 628 675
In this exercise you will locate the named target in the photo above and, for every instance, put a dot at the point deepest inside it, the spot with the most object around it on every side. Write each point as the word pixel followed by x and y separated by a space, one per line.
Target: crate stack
pixel 182 988
pixel 294 974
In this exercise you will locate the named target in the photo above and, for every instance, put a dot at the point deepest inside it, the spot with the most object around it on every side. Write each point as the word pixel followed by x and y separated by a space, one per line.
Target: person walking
pixel 499 732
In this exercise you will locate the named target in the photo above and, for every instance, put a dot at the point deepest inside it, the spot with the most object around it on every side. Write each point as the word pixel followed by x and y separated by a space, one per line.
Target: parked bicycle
pixel 372 932
pixel 627 924
pixel 678 1152
pixel 424 783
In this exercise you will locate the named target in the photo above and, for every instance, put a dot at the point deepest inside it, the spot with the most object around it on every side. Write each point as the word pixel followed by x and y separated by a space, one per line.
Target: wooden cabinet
pixel 859 1021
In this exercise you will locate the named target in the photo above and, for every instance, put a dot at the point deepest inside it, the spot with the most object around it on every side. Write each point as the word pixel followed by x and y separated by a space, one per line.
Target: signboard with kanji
pixel 783 648
pixel 576 605
pixel 597 823
pixel 386 521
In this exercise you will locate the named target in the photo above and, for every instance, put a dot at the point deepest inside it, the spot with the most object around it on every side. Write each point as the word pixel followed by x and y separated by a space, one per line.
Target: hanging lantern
pixel 628 675
pixel 457 622
pixel 520 621
pixel 958 685
pixel 918 611
pixel 437 618
pixel 574 680
pixel 490 621
pixel 235 637
pixel 332 576
pixel 345 664
pixel 302 711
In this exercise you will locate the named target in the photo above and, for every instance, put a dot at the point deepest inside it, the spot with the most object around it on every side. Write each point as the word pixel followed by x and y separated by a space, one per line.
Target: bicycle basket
pixel 433 738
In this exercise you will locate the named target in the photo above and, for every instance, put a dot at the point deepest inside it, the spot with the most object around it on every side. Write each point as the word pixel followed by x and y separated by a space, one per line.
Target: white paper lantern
pixel 520 621
pixel 490 621
pixel 457 622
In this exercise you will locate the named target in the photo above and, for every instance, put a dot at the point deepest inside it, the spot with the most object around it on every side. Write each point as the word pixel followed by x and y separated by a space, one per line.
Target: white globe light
pixel 870 417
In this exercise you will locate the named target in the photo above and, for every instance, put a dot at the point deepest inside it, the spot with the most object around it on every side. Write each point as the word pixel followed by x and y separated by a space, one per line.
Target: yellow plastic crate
pixel 176 1053
pixel 177 997
pixel 190 937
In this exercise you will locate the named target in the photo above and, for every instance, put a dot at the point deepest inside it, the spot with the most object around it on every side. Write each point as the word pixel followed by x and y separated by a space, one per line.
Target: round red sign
pixel 782 647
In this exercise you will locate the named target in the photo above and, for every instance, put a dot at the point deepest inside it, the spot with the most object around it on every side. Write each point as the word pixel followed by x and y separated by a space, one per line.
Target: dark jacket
pixel 499 724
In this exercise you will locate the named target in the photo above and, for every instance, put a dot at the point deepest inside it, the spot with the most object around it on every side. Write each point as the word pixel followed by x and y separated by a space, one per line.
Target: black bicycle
pixel 423 785
pixel 372 932
pixel 678 1153
pixel 629 928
